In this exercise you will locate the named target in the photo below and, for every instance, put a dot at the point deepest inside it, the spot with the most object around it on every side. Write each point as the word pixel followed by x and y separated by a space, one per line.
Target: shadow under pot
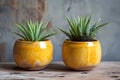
pixel 33 55
pixel 81 55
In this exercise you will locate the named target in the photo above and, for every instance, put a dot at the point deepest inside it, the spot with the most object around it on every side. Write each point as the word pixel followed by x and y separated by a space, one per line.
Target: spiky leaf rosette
pixel 80 29
pixel 33 31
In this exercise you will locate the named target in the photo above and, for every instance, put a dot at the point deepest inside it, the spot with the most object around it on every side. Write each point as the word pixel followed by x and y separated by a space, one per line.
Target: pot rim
pixel 24 41
pixel 68 40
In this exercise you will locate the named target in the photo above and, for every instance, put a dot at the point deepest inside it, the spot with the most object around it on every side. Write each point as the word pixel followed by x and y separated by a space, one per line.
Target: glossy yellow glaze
pixel 33 55
pixel 81 55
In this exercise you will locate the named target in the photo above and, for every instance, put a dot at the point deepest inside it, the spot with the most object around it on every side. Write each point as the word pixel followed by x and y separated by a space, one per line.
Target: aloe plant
pixel 80 29
pixel 33 31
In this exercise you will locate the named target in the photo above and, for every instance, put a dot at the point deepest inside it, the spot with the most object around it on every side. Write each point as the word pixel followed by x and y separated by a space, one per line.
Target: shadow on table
pixel 50 67
pixel 10 67
pixel 57 67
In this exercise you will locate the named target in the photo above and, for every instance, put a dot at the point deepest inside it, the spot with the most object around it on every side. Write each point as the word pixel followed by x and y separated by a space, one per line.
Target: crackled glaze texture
pixel 33 55
pixel 81 55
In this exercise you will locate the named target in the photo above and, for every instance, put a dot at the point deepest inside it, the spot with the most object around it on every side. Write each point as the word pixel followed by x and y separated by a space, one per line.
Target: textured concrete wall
pixel 54 12
pixel 12 12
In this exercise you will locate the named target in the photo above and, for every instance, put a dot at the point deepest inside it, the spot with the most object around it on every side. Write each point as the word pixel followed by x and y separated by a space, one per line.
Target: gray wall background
pixel 54 12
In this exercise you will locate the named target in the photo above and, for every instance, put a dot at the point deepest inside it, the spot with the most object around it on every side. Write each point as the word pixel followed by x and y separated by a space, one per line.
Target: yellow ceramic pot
pixel 33 55
pixel 81 55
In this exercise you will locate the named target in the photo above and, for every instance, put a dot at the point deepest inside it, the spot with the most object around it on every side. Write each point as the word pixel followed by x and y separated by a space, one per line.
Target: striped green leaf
pixel 80 30
pixel 33 31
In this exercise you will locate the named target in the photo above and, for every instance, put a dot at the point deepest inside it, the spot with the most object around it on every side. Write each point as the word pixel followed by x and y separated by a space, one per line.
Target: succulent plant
pixel 33 31
pixel 80 29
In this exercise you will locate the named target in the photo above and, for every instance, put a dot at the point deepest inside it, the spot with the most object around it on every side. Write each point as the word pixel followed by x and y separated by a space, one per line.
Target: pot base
pixel 28 66
pixel 84 68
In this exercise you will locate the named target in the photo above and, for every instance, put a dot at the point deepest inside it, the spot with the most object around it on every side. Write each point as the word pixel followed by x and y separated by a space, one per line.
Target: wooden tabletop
pixel 58 71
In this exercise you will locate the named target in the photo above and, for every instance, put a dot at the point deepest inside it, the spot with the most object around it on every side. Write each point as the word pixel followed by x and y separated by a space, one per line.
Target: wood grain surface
pixel 58 71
